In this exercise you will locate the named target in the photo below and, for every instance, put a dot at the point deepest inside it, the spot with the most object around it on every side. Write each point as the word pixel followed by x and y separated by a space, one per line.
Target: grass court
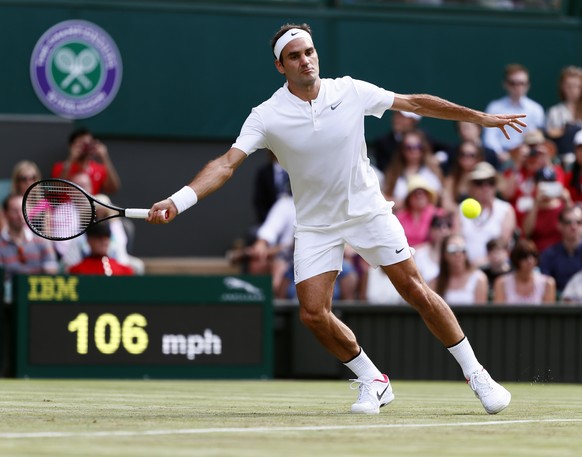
pixel 280 418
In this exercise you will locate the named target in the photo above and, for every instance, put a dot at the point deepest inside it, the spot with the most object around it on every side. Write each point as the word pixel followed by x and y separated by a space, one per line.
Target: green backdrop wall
pixel 194 69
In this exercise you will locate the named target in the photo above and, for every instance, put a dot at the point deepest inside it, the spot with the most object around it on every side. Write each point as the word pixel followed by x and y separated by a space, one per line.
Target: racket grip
pixel 138 213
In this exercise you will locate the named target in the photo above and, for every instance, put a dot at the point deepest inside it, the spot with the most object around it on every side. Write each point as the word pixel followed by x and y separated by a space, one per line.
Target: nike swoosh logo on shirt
pixel 379 395
pixel 398 251
pixel 333 107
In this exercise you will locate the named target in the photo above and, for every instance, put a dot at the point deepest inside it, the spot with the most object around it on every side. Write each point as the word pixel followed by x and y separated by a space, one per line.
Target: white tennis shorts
pixel 379 239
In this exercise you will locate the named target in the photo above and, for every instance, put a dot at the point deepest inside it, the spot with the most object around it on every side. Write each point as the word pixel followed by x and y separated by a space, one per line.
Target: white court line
pixel 317 428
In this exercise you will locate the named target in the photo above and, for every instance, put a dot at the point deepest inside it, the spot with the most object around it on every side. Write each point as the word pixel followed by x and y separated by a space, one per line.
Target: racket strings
pixel 57 210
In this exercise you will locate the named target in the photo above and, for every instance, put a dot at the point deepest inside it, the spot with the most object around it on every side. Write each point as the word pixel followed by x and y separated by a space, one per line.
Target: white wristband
pixel 184 198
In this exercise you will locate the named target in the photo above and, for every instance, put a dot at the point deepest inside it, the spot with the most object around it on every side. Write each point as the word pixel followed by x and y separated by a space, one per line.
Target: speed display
pixel 157 327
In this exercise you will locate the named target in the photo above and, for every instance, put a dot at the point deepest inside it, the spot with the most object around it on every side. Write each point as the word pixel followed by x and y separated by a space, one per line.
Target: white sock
pixel 464 355
pixel 363 367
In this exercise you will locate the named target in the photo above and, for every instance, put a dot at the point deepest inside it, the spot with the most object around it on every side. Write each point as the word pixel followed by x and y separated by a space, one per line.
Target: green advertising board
pixel 144 326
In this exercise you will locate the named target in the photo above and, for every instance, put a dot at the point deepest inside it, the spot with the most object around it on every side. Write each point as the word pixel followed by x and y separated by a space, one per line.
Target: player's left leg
pixel 442 322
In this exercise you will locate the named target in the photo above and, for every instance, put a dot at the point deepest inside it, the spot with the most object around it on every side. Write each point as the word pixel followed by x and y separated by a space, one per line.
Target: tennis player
pixel 315 127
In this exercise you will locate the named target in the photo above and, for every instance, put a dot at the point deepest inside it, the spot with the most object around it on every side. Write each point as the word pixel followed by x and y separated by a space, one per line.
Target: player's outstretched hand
pixel 162 212
pixel 501 121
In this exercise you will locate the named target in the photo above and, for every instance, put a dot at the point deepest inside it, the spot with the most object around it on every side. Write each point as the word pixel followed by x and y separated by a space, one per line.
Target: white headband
pixel 288 36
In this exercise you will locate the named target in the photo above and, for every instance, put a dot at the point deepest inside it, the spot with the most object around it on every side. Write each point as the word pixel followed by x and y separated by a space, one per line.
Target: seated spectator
pixel 270 183
pixel 24 174
pixel 516 83
pixel 272 252
pixel 418 210
pixel 498 262
pixel 83 180
pixel 563 259
pixel 89 155
pixel 517 185
pixel 573 179
pixel 525 285
pixel 78 248
pixel 459 282
pixel 497 218
pixel 456 184
pixel 540 223
pixel 467 131
pixel 414 157
pixel 98 262
pixel 20 250
pixel 565 118
pixel 572 293
pixel 386 146
pixel 428 255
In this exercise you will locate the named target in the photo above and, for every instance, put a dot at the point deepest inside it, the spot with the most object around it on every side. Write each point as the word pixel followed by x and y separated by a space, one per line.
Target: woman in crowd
pixel 456 184
pixel 525 285
pixel 414 157
pixel 428 255
pixel 24 173
pixel 540 223
pixel 565 118
pixel 459 282
pixel 418 210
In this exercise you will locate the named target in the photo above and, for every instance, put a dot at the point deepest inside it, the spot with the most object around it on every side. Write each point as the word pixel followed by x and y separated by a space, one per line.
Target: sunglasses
pixel 468 155
pixel 27 178
pixel 484 182
pixel 572 221
pixel 413 147
pixel 455 249
pixel 515 83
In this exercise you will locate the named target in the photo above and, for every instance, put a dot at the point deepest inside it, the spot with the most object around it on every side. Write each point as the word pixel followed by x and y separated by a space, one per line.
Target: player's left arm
pixel 432 106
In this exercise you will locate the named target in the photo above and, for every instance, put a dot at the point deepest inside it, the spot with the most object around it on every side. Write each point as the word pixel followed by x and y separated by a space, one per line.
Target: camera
pixel 86 150
pixel 551 189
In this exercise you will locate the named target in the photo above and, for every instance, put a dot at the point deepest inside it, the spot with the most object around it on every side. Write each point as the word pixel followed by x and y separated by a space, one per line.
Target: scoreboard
pixel 144 326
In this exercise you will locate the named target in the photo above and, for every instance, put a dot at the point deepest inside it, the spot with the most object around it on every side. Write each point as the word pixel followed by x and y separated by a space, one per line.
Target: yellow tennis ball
pixel 470 208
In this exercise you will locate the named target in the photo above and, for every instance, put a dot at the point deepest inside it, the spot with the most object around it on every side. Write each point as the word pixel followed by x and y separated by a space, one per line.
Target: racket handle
pixel 138 213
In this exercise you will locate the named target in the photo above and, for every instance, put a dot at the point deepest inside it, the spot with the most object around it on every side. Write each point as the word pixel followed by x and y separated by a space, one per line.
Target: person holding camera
pixel 89 155
pixel 518 183
pixel 540 223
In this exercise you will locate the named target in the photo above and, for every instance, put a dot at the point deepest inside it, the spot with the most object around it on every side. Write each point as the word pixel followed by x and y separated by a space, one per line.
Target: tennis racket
pixel 58 210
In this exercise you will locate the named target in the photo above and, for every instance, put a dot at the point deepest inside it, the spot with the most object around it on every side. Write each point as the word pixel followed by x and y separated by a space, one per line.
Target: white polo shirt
pixel 322 146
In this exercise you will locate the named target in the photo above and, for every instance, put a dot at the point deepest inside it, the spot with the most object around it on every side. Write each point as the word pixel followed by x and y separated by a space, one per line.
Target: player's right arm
pixel 211 178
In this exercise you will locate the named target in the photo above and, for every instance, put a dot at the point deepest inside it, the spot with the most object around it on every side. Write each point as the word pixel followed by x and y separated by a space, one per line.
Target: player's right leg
pixel 314 296
pixel 318 259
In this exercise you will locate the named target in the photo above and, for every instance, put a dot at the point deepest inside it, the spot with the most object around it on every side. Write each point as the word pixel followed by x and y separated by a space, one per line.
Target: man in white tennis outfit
pixel 315 127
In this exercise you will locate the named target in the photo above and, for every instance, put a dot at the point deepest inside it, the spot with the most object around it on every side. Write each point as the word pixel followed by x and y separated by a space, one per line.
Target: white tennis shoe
pixel 373 395
pixel 494 397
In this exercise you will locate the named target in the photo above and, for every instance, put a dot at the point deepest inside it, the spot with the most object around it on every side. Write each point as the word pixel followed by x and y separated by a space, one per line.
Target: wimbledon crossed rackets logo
pixel 76 73
pixel 75 69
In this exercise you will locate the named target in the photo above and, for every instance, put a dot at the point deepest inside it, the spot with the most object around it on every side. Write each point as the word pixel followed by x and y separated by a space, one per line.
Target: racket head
pixel 57 209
